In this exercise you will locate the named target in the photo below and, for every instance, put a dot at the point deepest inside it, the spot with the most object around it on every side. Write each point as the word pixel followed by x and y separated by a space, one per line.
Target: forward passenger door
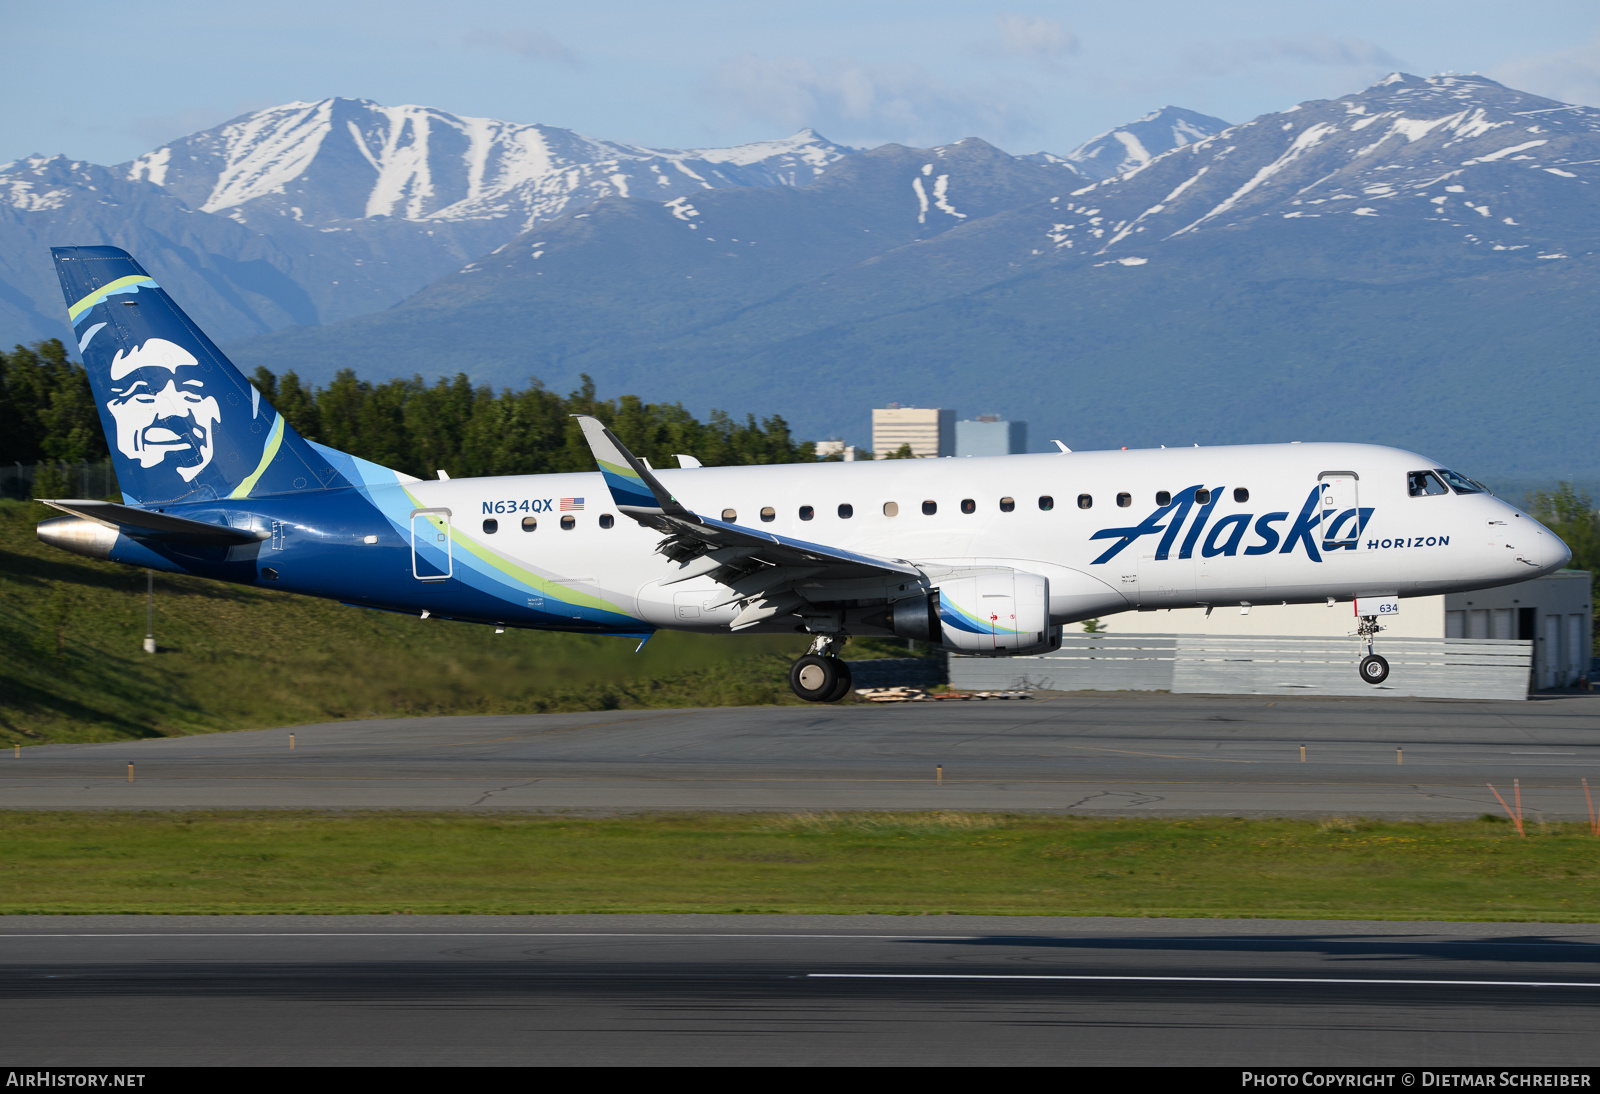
pixel 1340 497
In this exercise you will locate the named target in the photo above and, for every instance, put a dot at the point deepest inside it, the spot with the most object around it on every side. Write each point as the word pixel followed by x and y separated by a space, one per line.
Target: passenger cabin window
pixel 891 509
pixel 568 522
pixel 731 516
pixel 1240 494
pixel 929 508
pixel 768 514
pixel 607 520
pixel 968 505
pixel 1085 501
pixel 1163 497
pixel 1202 497
pixel 1046 502
pixel 529 523
pixel 490 527
pixel 1460 483
pixel 1007 504
pixel 1124 500
pixel 806 512
pixel 1424 484
pixel 846 511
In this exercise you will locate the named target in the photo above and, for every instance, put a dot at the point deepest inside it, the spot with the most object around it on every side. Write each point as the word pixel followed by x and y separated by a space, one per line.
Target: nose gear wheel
pixel 1374 669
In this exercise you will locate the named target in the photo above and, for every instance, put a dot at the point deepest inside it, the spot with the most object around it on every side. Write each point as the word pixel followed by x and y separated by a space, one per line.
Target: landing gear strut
pixel 820 676
pixel 1374 669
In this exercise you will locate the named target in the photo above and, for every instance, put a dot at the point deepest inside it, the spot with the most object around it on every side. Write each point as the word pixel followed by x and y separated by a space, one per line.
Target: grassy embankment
pixel 940 863
pixel 231 657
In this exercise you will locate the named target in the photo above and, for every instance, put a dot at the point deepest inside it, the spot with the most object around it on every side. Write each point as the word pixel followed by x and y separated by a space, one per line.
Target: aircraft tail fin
pixel 181 421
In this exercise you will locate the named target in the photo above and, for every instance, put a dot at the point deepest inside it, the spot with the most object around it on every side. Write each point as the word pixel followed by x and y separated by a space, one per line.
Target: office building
pixel 928 430
pixel 987 435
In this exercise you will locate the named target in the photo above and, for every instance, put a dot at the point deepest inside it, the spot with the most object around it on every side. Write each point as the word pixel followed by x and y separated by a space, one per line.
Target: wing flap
pixel 784 551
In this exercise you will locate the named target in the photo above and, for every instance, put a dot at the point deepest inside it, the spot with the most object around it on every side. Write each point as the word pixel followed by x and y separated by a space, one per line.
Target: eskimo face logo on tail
pixel 161 407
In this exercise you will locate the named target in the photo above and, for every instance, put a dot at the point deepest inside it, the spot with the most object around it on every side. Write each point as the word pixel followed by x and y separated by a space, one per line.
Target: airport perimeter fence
pixel 1439 668
pixel 84 479
pixel 899 672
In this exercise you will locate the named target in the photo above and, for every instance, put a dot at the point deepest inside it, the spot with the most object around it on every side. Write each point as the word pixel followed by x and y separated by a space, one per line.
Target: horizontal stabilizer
pixel 145 524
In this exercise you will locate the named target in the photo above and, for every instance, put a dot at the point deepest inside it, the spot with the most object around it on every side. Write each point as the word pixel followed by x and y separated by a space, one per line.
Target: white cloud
pixel 1314 49
pixel 1044 41
pixel 535 45
pixel 1569 75
pixel 855 102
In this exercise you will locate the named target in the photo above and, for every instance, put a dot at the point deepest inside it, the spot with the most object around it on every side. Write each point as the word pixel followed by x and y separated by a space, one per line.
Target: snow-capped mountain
pixel 687 261
pixel 1321 272
pixel 351 159
pixel 348 207
pixel 1129 147
pixel 241 281
pixel 315 212
pixel 1497 170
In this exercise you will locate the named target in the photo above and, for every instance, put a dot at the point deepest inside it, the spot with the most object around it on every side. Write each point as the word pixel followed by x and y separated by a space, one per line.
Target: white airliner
pixel 988 556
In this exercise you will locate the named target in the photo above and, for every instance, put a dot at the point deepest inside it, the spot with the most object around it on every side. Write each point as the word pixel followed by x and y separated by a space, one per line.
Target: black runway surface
pixel 805 990
pixel 1134 753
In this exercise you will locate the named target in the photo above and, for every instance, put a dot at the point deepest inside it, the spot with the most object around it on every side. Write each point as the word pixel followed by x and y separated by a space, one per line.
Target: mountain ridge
pixel 348 207
pixel 1266 224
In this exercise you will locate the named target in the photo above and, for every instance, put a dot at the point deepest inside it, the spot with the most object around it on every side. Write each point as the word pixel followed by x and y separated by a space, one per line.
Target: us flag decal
pixel 571 503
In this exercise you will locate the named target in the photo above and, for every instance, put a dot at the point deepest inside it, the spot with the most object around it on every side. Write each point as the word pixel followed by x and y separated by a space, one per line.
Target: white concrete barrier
pixel 1444 668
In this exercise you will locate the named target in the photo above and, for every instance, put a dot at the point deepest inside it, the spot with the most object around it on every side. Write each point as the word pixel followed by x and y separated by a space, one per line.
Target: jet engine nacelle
pixel 993 613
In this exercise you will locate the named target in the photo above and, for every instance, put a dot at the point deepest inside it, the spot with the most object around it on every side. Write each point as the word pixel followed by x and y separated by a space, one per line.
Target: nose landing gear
pixel 1374 669
pixel 820 676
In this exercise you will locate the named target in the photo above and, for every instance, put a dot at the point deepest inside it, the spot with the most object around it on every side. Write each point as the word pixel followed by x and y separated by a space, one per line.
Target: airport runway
pixel 798 990
pixel 1135 753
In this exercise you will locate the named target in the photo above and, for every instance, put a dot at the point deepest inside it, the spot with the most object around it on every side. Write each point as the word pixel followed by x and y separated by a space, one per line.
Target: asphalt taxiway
pixel 1135 753
pixel 133 991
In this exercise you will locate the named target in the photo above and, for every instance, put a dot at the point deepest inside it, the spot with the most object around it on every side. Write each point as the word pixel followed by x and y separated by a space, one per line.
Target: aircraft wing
pixel 638 493
pixel 146 524
pixel 783 551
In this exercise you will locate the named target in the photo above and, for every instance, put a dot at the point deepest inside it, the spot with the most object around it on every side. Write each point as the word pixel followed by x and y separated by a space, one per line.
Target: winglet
pixel 634 487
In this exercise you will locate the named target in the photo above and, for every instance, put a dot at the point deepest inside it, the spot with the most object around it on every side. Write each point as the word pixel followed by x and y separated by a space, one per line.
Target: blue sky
pixel 106 81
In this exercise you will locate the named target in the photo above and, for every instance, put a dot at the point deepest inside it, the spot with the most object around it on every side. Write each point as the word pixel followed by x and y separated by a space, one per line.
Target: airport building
pixel 987 435
pixel 1491 644
pixel 928 430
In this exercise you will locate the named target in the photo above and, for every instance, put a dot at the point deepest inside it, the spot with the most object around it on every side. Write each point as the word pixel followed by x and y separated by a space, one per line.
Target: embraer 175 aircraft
pixel 988 556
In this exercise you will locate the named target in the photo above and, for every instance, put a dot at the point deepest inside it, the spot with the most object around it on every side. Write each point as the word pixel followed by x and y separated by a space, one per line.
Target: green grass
pixel 233 657
pixel 927 863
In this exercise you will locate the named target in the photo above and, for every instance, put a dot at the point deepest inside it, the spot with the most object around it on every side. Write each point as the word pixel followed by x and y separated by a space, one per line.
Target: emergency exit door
pixel 1341 508
pixel 432 557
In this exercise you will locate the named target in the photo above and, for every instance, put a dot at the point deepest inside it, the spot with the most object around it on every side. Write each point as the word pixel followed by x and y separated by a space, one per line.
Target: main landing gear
pixel 1374 669
pixel 820 676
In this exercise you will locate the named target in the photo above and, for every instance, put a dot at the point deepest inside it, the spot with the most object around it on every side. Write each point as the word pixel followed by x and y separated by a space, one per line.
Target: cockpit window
pixel 1460 483
pixel 1424 484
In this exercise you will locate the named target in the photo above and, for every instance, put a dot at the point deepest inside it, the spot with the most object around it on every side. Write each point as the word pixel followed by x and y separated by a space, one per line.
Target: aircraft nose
pixel 1556 553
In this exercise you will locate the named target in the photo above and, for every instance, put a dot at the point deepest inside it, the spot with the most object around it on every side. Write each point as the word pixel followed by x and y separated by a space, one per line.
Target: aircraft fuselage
pixel 1238 525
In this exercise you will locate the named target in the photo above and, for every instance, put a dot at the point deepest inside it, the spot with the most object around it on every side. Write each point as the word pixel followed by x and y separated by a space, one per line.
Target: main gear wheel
pixel 820 679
